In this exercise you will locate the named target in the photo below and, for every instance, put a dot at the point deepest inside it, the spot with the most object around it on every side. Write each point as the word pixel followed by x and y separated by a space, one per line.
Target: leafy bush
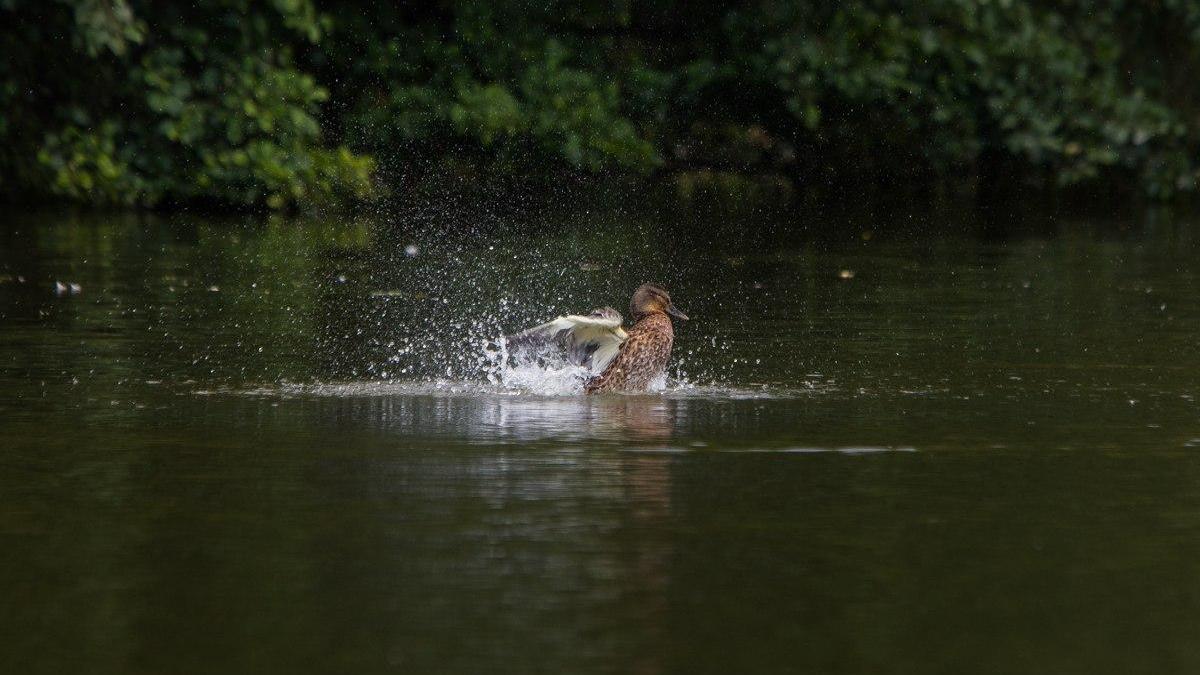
pixel 186 105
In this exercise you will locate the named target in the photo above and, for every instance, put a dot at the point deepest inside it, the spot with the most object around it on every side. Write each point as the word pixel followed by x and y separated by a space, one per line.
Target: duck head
pixel 651 298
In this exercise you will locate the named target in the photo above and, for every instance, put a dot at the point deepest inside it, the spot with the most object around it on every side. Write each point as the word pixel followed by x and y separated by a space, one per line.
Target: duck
pixel 617 359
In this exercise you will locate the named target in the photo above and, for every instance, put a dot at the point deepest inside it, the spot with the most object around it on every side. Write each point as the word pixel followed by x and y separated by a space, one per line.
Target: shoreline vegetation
pixel 302 104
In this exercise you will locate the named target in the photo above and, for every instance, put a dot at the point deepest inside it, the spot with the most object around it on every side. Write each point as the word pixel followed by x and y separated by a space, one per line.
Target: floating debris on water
pixel 846 274
pixel 387 294
pixel 214 289
pixel 68 288
pixel 590 267
pixel 411 250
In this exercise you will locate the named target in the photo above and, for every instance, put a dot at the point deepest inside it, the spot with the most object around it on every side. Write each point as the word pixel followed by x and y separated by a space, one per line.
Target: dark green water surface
pixel 283 447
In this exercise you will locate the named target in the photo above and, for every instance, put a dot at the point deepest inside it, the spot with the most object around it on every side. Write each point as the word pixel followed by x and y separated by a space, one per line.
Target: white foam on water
pixel 521 382
pixel 530 378
pixel 491 371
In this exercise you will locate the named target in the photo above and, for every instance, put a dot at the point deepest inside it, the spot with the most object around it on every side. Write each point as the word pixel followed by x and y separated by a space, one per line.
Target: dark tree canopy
pixel 294 102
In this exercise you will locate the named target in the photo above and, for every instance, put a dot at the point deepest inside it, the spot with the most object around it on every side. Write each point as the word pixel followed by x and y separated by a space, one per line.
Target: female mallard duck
pixel 619 360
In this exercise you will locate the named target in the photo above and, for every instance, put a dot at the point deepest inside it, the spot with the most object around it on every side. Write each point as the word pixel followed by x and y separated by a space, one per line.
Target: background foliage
pixel 296 102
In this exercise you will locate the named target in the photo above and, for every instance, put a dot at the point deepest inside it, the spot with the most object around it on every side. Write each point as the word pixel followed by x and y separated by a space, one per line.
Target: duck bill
pixel 674 311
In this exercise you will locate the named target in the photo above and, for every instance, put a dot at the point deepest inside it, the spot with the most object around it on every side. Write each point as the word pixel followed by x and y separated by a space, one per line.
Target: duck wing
pixel 591 340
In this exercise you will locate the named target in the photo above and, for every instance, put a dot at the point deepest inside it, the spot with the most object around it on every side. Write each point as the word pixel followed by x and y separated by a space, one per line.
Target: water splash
pixel 531 378
pixel 437 316
pixel 493 371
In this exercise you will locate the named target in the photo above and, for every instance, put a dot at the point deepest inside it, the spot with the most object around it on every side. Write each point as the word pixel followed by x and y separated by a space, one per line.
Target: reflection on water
pixel 275 447
pixel 470 412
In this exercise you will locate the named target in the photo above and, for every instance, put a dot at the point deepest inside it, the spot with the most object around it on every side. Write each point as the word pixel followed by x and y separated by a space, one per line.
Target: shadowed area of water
pixel 923 446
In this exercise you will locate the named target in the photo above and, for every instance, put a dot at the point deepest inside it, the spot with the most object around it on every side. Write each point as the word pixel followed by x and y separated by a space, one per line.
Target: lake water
pixel 919 445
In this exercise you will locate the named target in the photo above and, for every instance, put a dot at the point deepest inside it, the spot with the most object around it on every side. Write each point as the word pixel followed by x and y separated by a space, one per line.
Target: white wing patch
pixel 590 341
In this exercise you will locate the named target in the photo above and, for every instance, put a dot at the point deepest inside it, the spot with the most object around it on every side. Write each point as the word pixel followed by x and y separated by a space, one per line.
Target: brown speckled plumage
pixel 644 355
pixel 642 358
